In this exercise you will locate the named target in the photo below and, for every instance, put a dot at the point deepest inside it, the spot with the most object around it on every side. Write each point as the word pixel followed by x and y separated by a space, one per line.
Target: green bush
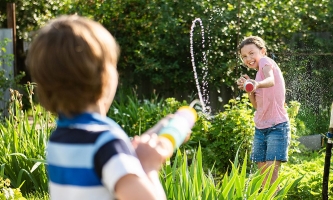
pixel 310 122
pixel 221 136
pixel 310 165
pixel 136 116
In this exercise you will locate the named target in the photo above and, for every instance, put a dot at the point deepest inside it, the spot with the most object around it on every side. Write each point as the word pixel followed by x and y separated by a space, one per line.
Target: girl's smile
pixel 251 55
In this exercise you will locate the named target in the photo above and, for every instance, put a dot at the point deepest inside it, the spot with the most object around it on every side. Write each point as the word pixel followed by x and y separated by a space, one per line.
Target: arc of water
pixel 202 99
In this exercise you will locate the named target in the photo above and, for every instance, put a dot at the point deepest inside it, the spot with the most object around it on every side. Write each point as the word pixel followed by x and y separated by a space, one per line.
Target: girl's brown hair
pixel 69 59
pixel 258 41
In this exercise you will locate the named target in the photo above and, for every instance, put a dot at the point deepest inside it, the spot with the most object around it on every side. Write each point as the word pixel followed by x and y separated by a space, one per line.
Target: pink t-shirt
pixel 270 101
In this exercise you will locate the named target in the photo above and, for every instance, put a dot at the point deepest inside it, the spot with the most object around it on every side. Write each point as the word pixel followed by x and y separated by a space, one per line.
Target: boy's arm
pixel 133 187
pixel 152 152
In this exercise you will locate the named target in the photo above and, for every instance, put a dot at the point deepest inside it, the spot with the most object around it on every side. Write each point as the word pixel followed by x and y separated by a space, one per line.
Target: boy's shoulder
pixel 89 127
pixel 96 147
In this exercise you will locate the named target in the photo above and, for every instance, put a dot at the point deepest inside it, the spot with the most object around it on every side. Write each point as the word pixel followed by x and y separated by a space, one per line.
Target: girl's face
pixel 251 55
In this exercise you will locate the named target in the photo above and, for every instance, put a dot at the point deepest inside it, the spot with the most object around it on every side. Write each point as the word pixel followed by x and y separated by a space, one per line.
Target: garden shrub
pixel 225 133
pixel 137 116
pixel 310 165
pixel 310 122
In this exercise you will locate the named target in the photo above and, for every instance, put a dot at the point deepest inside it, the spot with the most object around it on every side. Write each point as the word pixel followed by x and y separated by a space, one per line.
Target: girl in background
pixel 272 129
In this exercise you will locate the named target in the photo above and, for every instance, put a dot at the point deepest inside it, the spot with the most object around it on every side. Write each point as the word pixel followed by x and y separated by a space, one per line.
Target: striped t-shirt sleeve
pixel 85 165
pixel 114 160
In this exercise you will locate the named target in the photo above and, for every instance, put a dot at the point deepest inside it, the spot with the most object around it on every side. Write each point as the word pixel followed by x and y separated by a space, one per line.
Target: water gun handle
pixel 248 86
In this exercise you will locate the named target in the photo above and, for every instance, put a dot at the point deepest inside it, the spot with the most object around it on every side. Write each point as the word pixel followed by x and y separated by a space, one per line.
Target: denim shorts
pixel 271 144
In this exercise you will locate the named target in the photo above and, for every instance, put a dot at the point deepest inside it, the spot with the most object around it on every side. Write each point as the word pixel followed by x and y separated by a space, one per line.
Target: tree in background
pixel 154 36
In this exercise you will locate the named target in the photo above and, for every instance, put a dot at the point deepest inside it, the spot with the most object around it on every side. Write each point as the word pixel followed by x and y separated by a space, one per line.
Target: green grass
pixel 22 146
pixel 37 196
pixel 184 182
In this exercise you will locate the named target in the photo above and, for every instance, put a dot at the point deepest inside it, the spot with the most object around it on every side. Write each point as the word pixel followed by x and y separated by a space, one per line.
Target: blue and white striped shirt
pixel 86 156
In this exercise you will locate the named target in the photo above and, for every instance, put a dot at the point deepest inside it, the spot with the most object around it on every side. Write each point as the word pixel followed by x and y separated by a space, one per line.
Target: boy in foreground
pixel 73 61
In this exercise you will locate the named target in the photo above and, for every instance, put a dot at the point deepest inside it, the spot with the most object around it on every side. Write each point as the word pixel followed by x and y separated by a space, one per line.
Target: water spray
pixel 328 157
pixel 203 100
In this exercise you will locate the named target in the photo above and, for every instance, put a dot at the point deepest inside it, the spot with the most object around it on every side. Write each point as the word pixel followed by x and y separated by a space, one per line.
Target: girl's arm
pixel 266 83
pixel 252 97
pixel 269 78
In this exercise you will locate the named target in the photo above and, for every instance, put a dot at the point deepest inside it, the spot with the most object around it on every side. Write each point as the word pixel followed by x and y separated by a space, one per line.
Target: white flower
pixel 11 192
pixel 8 192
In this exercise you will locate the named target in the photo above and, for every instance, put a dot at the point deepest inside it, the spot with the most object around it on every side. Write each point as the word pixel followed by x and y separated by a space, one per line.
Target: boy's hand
pixel 152 151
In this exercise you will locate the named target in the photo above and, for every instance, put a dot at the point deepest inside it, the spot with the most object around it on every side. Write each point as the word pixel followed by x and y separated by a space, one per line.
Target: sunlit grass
pixel 23 143
pixel 183 182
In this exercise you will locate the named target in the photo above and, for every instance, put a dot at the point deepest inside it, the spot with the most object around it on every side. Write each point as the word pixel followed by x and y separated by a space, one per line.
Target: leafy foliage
pixel 182 181
pixel 310 166
pixel 30 14
pixel 225 133
pixel 136 116
pixel 6 192
pixel 154 35
pixel 23 143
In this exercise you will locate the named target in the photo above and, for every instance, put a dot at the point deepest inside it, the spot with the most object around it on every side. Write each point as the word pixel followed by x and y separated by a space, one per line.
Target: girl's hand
pixel 240 82
pixel 254 83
